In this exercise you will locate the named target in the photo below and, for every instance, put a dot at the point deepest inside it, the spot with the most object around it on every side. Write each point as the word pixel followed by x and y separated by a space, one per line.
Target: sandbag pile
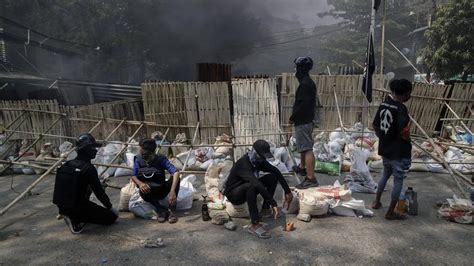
pixel 318 201
pixel 457 210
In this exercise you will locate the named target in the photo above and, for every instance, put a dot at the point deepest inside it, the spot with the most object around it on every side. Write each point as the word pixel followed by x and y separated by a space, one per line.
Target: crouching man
pixel 244 184
pixel 75 181
pixel 149 175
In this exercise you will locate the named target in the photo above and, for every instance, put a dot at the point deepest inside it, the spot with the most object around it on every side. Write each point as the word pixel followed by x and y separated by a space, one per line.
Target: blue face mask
pixel 255 159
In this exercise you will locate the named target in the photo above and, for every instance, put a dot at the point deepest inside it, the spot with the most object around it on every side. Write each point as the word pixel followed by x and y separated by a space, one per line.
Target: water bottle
pixel 205 210
pixel 401 204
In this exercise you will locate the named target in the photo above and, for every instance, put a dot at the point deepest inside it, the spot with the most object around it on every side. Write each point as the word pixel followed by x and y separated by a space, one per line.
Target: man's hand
pixel 144 188
pixel 172 198
pixel 288 199
pixel 275 212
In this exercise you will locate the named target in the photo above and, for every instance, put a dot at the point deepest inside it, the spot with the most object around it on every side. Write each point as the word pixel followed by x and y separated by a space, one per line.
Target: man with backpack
pixel 75 182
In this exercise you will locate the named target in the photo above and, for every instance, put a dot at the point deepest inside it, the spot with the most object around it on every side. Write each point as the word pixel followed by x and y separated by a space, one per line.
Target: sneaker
pixel 307 183
pixel 76 228
pixel 299 171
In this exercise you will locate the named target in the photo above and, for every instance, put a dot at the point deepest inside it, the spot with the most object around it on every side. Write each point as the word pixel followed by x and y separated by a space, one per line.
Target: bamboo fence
pixel 256 111
pixel 180 105
pixel 462 103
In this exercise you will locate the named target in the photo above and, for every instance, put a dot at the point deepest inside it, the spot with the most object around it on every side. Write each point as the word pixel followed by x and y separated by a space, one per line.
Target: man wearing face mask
pixel 244 184
pixel 75 181
pixel 149 175
pixel 304 117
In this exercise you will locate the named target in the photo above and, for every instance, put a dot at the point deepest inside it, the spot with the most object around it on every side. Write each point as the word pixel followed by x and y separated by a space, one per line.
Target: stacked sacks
pixel 223 151
pixel 359 179
pixel 328 153
pixel 47 151
pixel 105 155
pixel 180 140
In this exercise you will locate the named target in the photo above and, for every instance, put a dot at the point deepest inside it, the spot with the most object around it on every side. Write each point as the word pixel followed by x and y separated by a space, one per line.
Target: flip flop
pixel 259 232
pixel 172 219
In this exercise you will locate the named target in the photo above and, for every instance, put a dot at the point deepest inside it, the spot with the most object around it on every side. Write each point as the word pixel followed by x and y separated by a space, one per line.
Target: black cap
pixel 148 145
pixel 86 140
pixel 304 62
pixel 262 148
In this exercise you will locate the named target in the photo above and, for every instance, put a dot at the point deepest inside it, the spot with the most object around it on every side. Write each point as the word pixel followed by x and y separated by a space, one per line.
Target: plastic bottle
pixel 205 210
pixel 412 201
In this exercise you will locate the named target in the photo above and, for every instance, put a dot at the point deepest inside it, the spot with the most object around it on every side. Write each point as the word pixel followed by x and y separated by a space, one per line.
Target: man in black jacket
pixel 303 116
pixel 244 184
pixel 75 181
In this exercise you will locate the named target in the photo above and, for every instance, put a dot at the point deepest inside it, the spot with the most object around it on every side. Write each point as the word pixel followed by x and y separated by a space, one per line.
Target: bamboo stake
pixel 457 119
pixel 16 119
pixel 456 115
pixel 339 113
pixel 113 131
pixel 163 139
pixel 123 148
pixel 447 166
pixel 191 147
pixel 32 144
pixel 12 132
pixel 36 182
pixel 24 164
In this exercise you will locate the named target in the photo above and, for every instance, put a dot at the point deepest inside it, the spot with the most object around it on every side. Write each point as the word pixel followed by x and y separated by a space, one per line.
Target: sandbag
pixel 123 171
pixel 222 152
pixel 46 151
pixel 343 211
pixel 65 148
pixel 237 211
pixel 418 166
pixel 125 194
pixel 211 180
pixel 376 166
pixel 312 204
pixel 180 140
pixel 331 168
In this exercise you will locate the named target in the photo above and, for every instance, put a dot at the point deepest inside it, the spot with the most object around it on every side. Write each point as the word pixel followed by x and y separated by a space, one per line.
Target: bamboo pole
pixel 36 182
pixel 24 164
pixel 191 147
pixel 163 139
pixel 123 148
pixel 16 119
pixel 339 113
pixel 430 97
pixel 457 119
pixel 447 166
pixel 12 133
pixel 32 144
pixel 113 131
pixel 456 115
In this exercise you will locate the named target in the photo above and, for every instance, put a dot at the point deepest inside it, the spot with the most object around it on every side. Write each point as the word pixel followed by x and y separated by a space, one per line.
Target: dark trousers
pixel 159 192
pixel 89 212
pixel 248 193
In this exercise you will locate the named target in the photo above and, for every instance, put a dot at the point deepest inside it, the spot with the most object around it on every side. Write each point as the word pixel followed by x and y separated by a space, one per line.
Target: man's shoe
pixel 76 228
pixel 299 171
pixel 307 183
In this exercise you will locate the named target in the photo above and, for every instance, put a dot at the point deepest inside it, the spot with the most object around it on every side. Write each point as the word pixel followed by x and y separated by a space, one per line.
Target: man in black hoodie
pixel 75 182
pixel 244 184
pixel 303 116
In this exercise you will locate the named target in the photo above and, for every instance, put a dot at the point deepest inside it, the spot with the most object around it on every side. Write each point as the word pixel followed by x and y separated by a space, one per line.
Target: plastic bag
pixel 331 168
pixel 64 148
pixel 140 207
pixel 123 171
pixel 125 194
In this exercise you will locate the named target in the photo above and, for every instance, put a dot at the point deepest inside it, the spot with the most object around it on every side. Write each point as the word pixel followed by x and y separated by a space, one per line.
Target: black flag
pixel 369 70
pixel 377 4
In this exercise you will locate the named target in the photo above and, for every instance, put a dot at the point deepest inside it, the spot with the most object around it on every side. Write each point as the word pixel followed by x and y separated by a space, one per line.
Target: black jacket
pixel 87 183
pixel 304 108
pixel 390 121
pixel 243 172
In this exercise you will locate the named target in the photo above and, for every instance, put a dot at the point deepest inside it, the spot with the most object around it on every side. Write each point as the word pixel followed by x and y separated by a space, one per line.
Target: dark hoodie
pixel 304 108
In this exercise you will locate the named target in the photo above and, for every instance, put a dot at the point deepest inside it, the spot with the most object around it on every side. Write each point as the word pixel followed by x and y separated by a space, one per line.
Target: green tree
pixel 450 40
pixel 348 43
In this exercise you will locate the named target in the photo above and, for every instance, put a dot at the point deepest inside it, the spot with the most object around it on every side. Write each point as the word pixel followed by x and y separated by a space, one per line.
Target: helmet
pixel 262 148
pixel 304 62
pixel 86 140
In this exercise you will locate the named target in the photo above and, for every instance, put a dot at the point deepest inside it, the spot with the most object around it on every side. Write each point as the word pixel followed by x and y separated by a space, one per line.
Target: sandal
pixel 376 205
pixel 172 218
pixel 162 216
pixel 259 232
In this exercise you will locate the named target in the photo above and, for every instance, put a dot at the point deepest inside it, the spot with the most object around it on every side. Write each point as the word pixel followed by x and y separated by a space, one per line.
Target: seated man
pixel 72 189
pixel 244 184
pixel 149 175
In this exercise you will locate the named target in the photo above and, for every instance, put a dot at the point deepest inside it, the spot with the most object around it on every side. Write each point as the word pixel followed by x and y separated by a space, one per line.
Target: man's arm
pixel 166 164
pixel 273 170
pixel 97 188
pixel 144 188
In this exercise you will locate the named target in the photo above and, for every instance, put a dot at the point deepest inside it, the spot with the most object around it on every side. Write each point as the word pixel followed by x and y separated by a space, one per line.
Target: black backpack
pixel 67 184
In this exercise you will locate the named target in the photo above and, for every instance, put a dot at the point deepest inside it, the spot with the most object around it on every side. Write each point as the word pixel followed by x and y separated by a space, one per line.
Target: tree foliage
pixel 450 40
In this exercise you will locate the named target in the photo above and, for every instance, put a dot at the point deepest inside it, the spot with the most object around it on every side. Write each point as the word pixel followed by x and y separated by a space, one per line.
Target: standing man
pixel 303 117
pixel 244 184
pixel 75 181
pixel 392 126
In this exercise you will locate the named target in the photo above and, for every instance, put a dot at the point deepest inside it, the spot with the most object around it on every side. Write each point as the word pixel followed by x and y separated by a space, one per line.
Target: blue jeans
pixel 399 169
